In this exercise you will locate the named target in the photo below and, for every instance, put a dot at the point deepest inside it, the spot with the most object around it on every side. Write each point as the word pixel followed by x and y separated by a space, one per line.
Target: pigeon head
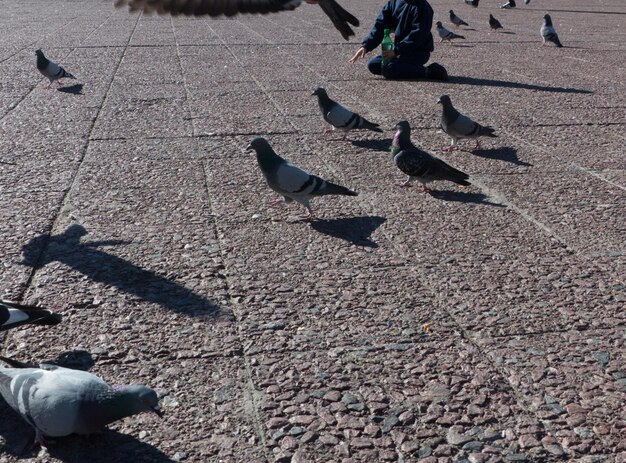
pixel 547 19
pixel 39 52
pixel 444 100
pixel 403 126
pixel 491 16
pixel 138 399
pixel 258 144
pixel 439 25
pixel 319 91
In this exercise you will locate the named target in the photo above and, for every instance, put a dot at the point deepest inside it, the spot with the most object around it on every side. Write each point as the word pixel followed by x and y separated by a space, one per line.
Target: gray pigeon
pixel 420 165
pixel 13 315
pixel 51 70
pixel 454 19
pixel 548 34
pixel 473 3
pixel 293 183
pixel 494 23
pixel 459 126
pixel 339 117
pixel 58 401
pixel 333 10
pixel 508 5
pixel 446 34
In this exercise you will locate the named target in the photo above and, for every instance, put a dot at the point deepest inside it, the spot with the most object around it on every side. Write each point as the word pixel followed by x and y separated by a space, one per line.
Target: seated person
pixel 412 21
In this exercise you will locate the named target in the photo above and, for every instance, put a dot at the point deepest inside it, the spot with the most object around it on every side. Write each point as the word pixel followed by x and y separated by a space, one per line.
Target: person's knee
pixel 390 70
pixel 374 66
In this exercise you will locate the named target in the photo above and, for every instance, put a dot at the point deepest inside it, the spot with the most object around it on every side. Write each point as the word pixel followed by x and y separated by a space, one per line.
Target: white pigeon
pixel 51 70
pixel 341 118
pixel 446 34
pixel 58 401
pixel 13 315
pixel 548 33
pixel 289 181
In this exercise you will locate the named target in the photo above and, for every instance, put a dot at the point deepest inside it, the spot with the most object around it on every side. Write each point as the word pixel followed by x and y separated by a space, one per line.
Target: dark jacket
pixel 411 20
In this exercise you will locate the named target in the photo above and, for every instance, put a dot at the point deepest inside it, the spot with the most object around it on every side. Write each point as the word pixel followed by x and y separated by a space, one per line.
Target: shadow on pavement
pixel 76 89
pixel 356 230
pixel 508 84
pixel 504 153
pixel 114 271
pixel 374 145
pixel 463 197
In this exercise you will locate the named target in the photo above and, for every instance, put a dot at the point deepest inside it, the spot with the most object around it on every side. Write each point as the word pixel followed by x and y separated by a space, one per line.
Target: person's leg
pixel 408 67
pixel 375 64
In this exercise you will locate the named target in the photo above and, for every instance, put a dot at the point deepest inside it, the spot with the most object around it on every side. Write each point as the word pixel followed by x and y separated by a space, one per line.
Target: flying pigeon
pixel 333 10
pixel 509 4
pixel 454 19
pixel 494 23
pixel 50 69
pixel 339 117
pixel 58 401
pixel 13 315
pixel 548 34
pixel 445 34
pixel 420 165
pixel 293 183
pixel 459 126
pixel 473 3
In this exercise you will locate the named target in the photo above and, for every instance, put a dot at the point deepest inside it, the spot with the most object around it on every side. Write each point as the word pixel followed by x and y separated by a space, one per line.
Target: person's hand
pixel 389 54
pixel 360 53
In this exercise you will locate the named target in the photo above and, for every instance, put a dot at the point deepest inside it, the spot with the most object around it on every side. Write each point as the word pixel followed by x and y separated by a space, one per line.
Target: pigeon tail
pixel 371 126
pixel 454 175
pixel 487 132
pixel 334 189
pixel 67 75
pixel 340 17
pixel 15 363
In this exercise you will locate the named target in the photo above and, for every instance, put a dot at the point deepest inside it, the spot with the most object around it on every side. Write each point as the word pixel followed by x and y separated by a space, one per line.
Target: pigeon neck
pixel 268 159
pixel 42 62
pixel 112 406
pixel 449 112
pixel 548 22
pixel 323 100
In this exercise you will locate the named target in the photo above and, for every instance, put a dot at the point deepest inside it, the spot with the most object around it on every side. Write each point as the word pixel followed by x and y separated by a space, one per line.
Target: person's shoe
pixel 436 71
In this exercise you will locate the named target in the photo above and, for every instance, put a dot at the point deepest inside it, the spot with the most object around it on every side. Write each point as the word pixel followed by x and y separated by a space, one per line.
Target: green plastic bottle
pixel 386 44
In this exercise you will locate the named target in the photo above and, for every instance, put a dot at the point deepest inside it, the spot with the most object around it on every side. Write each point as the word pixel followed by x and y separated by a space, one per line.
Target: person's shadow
pixel 465 80
pixel 383 145
pixel 98 265
pixel 356 230
pixel 504 153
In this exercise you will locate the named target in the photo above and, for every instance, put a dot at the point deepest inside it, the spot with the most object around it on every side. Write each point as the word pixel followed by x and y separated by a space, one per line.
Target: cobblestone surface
pixel 478 325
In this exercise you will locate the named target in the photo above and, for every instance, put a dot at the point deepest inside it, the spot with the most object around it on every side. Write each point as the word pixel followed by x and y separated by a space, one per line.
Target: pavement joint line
pixel 251 394
pixel 598 176
pixel 252 76
pixel 48 229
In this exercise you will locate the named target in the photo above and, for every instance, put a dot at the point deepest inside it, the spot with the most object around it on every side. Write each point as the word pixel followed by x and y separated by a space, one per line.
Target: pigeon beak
pixel 439 100
pixel 249 147
pixel 156 409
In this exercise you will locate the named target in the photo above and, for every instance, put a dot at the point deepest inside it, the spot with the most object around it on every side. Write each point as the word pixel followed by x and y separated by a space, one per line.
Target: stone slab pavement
pixel 478 325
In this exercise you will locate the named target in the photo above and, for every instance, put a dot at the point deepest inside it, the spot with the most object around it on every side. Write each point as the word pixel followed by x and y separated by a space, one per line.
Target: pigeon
pixel 526 2
pixel 333 10
pixel 459 126
pixel 13 315
pixel 454 19
pixel 509 4
pixel 445 34
pixel 494 23
pixel 548 34
pixel 473 3
pixel 50 69
pixel 420 165
pixel 58 401
pixel 291 182
pixel 339 117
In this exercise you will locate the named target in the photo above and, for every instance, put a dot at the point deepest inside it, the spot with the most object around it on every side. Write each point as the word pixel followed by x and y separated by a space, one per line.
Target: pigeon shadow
pixel 504 153
pixel 356 230
pixel 508 84
pixel 383 145
pixel 463 197
pixel 76 89
pixel 110 270
pixel 73 359
pixel 507 32
pixel 106 447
